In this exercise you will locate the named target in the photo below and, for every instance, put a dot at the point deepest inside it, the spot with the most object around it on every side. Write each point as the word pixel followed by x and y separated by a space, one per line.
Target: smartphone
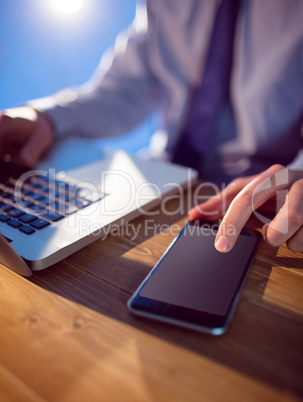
pixel 193 285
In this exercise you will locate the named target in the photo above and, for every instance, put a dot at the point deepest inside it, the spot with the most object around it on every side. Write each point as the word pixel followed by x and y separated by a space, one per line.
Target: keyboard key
pixel 36 208
pixel 33 184
pixel 64 187
pixel 53 193
pixel 11 197
pixel 46 201
pixel 27 218
pixel 26 191
pixel 27 229
pixel 27 203
pixel 15 213
pixel 52 216
pixel 39 223
pixel 59 200
pixel 43 189
pixel 4 218
pixel 14 223
pixel 6 207
pixel 36 197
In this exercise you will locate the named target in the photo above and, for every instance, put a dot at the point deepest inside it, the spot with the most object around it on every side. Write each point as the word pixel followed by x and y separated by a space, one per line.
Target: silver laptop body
pixel 87 193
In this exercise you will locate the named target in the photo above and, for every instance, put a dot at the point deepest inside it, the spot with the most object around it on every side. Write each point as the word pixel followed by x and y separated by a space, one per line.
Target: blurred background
pixel 47 45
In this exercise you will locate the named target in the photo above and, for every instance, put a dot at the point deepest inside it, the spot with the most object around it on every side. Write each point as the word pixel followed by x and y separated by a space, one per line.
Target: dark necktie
pixel 212 94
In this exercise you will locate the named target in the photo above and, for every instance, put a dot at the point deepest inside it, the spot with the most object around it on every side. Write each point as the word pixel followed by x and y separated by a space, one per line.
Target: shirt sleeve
pixel 122 92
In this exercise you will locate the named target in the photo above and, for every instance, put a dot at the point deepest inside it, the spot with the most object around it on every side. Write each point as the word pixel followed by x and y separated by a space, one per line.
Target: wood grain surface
pixel 66 333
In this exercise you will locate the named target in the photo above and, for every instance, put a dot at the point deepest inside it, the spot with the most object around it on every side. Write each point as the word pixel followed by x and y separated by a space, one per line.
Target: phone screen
pixel 193 281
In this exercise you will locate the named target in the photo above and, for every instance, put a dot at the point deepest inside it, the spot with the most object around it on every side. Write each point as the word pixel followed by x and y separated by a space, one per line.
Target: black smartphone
pixel 194 285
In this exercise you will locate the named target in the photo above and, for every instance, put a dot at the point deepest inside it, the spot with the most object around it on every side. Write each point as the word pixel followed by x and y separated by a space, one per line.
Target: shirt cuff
pixel 60 116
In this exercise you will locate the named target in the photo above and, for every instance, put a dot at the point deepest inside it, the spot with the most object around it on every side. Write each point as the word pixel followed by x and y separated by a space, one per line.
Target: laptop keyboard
pixel 40 202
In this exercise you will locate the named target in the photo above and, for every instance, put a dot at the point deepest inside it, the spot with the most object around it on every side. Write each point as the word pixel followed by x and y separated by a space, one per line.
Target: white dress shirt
pixel 156 63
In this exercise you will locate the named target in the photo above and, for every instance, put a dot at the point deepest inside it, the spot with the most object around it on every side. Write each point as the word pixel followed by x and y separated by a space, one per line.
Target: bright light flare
pixel 66 6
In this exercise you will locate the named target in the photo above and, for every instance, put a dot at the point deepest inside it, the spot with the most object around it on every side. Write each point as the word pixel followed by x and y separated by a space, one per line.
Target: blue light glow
pixel 41 53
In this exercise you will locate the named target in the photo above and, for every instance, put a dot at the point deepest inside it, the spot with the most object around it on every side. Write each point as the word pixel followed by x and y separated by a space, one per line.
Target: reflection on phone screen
pixel 195 275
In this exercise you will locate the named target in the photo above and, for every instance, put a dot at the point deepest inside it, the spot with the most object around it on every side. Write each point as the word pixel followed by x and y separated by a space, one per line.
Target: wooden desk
pixel 66 334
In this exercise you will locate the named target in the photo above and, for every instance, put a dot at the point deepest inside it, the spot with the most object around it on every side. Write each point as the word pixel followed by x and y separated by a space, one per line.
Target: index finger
pixel 255 194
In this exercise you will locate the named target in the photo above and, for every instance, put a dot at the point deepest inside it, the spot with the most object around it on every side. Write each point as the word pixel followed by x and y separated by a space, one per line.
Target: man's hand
pixel 245 196
pixel 24 135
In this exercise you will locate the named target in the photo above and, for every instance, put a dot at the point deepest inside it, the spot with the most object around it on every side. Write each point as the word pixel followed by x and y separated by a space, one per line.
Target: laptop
pixel 76 195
